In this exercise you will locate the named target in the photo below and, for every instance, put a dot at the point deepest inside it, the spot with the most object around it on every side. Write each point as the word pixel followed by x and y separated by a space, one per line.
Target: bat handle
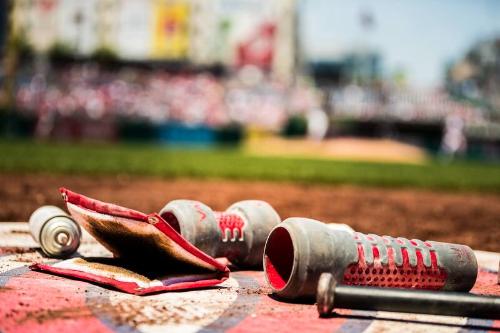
pixel 331 295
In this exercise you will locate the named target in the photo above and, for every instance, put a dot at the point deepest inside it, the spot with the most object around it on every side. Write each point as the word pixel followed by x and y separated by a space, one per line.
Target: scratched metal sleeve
pixel 298 250
pixel 239 233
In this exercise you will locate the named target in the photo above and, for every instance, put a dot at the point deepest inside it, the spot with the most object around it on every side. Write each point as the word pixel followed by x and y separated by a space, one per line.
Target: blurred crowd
pixel 86 98
pixel 401 104
pixel 157 96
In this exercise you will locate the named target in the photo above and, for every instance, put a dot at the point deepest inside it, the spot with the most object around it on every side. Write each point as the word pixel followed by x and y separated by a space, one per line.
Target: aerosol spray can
pixel 56 232
pixel 238 234
pixel 299 250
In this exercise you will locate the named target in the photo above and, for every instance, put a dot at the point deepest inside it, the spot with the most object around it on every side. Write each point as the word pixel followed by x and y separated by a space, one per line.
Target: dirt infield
pixel 353 149
pixel 469 218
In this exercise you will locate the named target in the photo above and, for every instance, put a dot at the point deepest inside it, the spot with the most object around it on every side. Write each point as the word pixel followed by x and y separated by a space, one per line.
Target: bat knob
pixel 325 296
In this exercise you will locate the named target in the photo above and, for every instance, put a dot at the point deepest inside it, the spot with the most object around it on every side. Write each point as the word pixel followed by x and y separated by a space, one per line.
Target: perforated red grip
pixel 395 262
pixel 232 226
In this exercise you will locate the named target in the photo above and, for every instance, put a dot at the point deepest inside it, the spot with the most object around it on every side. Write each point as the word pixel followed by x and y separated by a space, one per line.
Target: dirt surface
pixel 469 218
pixel 357 149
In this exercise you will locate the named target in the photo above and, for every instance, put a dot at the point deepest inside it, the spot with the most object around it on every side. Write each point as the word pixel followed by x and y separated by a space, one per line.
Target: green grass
pixel 18 157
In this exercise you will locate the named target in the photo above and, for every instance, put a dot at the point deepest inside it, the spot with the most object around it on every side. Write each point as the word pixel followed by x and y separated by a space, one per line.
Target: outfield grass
pixel 17 157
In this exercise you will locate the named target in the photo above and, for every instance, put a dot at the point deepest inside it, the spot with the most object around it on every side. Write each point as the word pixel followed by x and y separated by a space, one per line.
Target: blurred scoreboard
pixel 205 32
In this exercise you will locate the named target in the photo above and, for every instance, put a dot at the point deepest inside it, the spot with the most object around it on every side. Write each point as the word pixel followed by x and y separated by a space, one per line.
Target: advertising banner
pixel 170 39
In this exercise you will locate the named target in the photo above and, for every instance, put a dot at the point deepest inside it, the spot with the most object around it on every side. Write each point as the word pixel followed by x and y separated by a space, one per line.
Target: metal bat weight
pixel 298 250
pixel 239 233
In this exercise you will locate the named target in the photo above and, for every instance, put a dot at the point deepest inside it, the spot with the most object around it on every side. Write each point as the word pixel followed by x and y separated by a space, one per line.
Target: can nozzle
pixel 56 232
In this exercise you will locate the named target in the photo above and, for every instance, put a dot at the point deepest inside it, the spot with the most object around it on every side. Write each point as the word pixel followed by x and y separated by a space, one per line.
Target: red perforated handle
pixel 395 262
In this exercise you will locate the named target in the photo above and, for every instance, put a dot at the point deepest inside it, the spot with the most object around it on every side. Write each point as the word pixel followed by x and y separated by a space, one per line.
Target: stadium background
pixel 139 102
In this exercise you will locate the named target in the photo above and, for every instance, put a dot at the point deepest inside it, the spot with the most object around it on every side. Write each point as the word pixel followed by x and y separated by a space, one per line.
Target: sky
pixel 419 37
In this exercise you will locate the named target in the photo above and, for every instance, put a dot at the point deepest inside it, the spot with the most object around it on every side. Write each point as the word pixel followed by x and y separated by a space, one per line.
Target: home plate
pixel 36 302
